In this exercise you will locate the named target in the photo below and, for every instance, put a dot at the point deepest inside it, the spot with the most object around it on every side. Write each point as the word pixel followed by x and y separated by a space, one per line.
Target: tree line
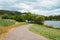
pixel 54 18
pixel 22 17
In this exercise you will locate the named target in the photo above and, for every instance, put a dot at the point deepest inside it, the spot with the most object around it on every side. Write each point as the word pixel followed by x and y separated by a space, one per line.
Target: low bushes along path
pixel 22 33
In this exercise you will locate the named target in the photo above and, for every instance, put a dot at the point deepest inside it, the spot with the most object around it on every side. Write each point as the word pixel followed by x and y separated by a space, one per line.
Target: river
pixel 55 24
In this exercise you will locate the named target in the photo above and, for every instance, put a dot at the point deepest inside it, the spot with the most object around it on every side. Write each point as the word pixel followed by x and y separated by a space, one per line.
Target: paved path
pixel 22 33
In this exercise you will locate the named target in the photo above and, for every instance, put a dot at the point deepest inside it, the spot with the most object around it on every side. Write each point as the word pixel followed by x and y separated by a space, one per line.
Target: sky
pixel 41 7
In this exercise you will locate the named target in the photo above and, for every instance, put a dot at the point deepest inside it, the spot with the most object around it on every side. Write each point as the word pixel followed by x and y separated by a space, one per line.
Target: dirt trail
pixel 22 33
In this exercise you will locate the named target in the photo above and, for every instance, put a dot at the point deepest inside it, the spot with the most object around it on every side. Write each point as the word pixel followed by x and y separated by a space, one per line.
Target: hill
pixel 6 12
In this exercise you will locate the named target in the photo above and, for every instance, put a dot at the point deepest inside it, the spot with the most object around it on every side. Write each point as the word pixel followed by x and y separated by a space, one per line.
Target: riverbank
pixel 51 33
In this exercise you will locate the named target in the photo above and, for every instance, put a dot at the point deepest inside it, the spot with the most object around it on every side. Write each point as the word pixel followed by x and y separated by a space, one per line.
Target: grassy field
pixel 6 25
pixel 51 33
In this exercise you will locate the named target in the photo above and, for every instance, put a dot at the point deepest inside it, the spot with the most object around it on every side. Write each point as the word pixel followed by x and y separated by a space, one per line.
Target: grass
pixel 51 33
pixel 6 22
pixel 6 25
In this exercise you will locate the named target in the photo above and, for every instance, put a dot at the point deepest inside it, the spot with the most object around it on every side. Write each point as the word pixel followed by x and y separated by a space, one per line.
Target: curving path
pixel 22 33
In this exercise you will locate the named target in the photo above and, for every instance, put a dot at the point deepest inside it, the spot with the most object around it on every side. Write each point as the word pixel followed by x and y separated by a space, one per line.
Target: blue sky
pixel 42 7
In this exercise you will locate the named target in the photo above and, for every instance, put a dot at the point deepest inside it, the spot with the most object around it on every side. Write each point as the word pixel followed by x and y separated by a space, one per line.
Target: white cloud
pixel 39 11
pixel 47 3
pixel 8 1
pixel 46 12
pixel 23 6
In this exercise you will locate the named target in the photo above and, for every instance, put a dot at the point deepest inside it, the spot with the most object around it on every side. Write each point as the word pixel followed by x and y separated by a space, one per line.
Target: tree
pixel 30 17
pixel 19 18
pixel 39 20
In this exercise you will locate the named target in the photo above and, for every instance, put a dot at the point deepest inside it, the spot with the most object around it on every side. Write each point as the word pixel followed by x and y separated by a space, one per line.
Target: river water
pixel 55 24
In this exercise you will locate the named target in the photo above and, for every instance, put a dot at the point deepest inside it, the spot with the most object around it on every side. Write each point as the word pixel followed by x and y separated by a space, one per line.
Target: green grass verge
pixel 51 33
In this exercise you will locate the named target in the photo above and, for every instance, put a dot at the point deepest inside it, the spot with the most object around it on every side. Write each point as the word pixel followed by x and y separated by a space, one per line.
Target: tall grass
pixel 6 22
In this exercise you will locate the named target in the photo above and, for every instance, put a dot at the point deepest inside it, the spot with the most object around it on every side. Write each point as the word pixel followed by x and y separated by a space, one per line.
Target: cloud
pixel 50 4
pixel 42 7
pixel 46 12
pixel 47 4
pixel 23 6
